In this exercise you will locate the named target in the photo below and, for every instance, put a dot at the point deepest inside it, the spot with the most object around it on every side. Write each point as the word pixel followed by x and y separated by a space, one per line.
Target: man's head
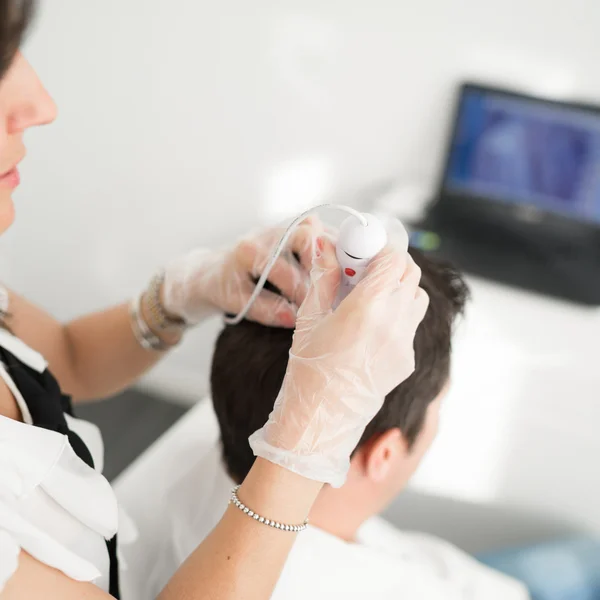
pixel 249 364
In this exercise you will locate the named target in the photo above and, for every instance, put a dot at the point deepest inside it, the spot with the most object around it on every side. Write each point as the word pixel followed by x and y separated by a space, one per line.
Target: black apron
pixel 48 406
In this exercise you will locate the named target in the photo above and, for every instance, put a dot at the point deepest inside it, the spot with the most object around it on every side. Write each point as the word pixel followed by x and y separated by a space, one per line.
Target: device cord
pixel 278 249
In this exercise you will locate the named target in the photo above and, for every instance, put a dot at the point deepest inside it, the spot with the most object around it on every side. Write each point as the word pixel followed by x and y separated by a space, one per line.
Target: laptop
pixel 518 200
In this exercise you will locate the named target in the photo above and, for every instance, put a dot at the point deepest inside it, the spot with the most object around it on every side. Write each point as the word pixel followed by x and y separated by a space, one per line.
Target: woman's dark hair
pixel 15 16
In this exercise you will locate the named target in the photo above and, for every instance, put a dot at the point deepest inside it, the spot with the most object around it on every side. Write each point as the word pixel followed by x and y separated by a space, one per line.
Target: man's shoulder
pixel 438 560
pixel 386 562
pixel 322 566
pixel 378 533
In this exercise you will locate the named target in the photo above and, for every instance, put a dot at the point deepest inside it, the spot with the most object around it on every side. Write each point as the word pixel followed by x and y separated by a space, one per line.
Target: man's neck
pixel 338 512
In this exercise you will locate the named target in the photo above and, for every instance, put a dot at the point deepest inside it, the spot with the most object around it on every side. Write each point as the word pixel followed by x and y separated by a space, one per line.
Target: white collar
pixel 22 351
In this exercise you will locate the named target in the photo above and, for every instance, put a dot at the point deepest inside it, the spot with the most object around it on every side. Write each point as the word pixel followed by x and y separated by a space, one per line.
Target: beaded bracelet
pixel 275 524
pixel 143 334
pixel 158 320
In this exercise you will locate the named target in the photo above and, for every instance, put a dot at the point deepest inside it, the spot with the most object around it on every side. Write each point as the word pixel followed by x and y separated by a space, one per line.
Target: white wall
pixel 181 122
pixel 184 123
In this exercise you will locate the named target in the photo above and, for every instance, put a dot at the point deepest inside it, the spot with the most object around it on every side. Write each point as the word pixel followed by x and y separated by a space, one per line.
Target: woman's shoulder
pixel 48 496
pixel 32 457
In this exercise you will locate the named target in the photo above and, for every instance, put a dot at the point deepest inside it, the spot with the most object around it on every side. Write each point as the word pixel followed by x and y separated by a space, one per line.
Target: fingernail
pixel 319 250
pixel 287 320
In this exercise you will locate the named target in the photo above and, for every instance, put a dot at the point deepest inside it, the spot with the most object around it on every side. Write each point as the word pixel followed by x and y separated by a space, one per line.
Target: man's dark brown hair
pixel 250 360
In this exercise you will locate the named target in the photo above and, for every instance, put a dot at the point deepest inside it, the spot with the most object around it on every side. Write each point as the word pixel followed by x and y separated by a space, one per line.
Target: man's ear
pixel 383 452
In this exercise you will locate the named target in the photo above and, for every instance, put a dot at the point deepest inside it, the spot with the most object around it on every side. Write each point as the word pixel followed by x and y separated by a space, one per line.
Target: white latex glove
pixel 205 282
pixel 343 363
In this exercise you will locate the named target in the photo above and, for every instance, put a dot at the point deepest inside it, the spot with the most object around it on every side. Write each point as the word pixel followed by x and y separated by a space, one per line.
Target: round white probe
pixel 357 245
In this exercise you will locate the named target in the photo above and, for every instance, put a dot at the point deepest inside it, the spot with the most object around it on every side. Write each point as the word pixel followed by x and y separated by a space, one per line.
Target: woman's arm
pixel 94 356
pixel 241 558
pixel 98 355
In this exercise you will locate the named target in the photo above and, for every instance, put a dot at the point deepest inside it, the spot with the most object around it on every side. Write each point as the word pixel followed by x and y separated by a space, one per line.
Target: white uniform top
pixel 52 504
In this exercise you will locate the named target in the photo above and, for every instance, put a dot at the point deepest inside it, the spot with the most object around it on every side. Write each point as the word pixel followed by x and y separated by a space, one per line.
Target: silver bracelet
pixel 4 301
pixel 157 314
pixel 143 334
pixel 275 524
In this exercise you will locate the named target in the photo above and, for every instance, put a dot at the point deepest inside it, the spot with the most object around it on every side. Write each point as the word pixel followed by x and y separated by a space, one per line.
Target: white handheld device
pixel 362 237
pixel 358 243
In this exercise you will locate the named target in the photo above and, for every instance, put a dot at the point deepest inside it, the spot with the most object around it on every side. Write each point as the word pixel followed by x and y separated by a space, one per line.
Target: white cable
pixel 277 251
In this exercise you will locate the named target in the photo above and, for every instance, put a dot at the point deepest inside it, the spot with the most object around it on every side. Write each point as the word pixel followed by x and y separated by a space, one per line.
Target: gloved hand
pixel 343 363
pixel 206 282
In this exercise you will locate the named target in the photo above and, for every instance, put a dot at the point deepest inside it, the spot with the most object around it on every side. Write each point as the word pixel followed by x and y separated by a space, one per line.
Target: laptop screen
pixel 519 150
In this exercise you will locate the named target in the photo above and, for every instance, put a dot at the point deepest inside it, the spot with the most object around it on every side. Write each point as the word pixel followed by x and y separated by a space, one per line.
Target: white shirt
pixel 383 563
pixel 52 504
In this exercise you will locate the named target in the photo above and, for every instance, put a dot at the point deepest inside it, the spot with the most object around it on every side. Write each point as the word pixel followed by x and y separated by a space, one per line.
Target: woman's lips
pixel 11 178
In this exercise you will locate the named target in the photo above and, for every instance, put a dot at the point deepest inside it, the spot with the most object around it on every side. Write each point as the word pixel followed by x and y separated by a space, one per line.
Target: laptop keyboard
pixel 566 269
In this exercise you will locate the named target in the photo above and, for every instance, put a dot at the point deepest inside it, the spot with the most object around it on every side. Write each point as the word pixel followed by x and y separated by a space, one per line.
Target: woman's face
pixel 24 103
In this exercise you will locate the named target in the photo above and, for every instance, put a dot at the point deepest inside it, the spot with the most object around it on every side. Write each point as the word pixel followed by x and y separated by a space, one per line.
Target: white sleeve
pixel 17 534
pixel 42 483
pixel 9 557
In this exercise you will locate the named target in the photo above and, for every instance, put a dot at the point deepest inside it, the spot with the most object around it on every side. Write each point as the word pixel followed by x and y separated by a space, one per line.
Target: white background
pixel 185 123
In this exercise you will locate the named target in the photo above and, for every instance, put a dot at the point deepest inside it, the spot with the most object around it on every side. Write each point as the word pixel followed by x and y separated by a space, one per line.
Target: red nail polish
pixel 287 320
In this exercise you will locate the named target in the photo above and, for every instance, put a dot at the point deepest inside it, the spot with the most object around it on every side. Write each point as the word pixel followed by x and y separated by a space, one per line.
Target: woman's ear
pixel 383 454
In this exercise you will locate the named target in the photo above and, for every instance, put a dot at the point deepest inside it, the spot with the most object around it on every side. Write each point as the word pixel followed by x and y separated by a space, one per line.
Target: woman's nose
pixel 36 109
pixel 32 104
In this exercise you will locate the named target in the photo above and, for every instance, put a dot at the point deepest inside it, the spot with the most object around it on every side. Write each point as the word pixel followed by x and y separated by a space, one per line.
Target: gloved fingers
pixel 382 276
pixel 404 297
pixel 409 282
pixel 303 240
pixel 273 310
pixel 420 306
pixel 254 253
pixel 407 317
pixel 397 235
pixel 325 277
pixel 251 255
pixel 290 278
pixel 408 302
pixel 255 250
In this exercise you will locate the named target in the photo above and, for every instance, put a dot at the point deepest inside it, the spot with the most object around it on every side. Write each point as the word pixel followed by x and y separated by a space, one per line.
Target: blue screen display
pixel 525 152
